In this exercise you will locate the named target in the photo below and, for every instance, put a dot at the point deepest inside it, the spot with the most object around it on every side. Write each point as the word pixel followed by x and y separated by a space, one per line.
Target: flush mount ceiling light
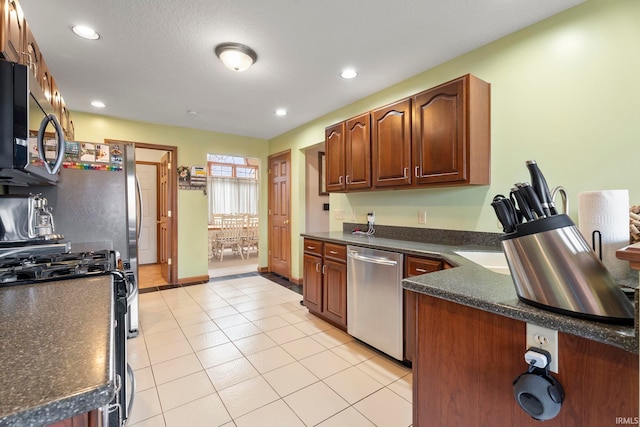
pixel 236 56
pixel 281 112
pixel 349 73
pixel 85 32
pixel 98 104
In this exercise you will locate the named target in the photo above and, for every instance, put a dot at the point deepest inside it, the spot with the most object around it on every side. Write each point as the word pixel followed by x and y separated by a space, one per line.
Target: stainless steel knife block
pixel 554 268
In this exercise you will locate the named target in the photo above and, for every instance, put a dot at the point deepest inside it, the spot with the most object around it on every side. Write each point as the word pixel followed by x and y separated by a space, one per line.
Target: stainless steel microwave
pixel 24 162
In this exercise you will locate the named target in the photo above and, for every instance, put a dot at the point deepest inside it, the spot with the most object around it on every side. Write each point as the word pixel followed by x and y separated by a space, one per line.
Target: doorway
pixel 157 214
pixel 233 200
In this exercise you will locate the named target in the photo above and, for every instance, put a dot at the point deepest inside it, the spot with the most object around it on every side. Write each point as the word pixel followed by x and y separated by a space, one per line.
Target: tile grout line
pixel 169 302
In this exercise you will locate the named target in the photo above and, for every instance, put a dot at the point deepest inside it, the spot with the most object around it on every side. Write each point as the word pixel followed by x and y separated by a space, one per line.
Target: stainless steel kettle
pixel 554 268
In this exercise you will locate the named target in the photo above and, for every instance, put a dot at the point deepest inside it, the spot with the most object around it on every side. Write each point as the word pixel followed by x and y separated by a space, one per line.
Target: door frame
pixel 269 198
pixel 173 201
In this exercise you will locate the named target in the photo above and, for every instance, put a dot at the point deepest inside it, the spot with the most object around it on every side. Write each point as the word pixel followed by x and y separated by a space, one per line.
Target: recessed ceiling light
pixel 192 112
pixel 281 112
pixel 85 32
pixel 349 73
pixel 98 104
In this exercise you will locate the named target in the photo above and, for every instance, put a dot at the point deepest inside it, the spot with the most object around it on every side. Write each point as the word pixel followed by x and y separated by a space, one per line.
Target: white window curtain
pixel 232 196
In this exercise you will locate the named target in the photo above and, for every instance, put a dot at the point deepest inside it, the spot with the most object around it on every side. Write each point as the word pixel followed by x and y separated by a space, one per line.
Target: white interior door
pixel 148 246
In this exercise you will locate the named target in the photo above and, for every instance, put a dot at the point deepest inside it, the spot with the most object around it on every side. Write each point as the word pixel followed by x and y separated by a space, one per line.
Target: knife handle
pixel 524 208
pixel 503 214
pixel 532 198
pixel 540 187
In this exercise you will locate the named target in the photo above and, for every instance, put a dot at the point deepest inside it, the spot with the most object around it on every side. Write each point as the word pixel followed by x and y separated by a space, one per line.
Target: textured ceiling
pixel 155 59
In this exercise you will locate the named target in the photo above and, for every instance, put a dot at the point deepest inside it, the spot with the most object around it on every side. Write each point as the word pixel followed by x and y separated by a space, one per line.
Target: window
pixel 232 185
pixel 231 167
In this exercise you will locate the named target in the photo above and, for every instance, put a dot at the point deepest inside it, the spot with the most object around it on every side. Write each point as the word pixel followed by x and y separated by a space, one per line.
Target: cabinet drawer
pixel 415 266
pixel 313 247
pixel 335 252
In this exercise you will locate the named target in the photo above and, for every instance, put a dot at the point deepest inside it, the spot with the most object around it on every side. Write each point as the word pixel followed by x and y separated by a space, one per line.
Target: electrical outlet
pixel 546 339
pixel 338 214
pixel 371 218
pixel 422 217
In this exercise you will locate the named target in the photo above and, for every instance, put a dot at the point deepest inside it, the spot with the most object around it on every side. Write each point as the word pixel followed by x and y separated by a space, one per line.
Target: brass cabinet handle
pixel 421 270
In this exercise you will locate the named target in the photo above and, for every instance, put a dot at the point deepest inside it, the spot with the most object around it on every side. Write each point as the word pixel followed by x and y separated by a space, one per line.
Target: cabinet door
pixel 358 152
pixel 335 292
pixel 438 134
pixel 11 30
pixel 391 144
pixel 312 287
pixel 414 266
pixel 334 148
pixel 33 55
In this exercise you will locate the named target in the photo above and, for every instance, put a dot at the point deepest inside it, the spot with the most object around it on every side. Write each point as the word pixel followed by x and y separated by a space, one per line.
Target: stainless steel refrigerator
pixel 98 209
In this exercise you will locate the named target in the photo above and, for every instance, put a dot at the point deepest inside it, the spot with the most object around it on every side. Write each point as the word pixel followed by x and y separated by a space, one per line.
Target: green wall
pixel 564 92
pixel 193 146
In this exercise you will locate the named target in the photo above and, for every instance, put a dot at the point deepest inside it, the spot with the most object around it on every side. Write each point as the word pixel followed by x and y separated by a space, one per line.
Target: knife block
pixel 554 268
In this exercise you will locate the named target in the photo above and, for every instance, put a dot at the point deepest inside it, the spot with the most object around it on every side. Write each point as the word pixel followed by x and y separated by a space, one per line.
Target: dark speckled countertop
pixel 472 285
pixel 55 350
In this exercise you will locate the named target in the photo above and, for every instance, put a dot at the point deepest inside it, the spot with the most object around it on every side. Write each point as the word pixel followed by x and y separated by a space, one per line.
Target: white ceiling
pixel 155 58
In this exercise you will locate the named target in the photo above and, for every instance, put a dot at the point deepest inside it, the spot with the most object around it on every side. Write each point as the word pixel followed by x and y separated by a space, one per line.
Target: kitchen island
pixel 56 351
pixel 470 339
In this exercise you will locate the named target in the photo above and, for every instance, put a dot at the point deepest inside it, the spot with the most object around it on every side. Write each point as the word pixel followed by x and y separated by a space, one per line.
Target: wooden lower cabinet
pixel 334 298
pixel 414 266
pixel 325 281
pixel 468 359
pixel 88 419
pixel 312 287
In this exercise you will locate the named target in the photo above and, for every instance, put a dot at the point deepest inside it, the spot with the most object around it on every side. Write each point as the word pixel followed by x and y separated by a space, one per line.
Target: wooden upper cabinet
pixel 334 148
pixel 11 31
pixel 391 144
pixel 358 152
pixel 441 136
pixel 451 134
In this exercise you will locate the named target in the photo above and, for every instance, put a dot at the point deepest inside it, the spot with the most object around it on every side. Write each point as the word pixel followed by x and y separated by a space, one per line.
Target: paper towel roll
pixel 607 212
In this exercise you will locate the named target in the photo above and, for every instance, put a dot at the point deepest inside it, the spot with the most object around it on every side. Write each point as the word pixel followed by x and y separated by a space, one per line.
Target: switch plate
pixel 338 214
pixel 422 217
pixel 546 339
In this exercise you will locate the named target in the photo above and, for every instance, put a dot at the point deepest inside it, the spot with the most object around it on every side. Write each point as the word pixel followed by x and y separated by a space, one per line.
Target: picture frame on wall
pixel 322 178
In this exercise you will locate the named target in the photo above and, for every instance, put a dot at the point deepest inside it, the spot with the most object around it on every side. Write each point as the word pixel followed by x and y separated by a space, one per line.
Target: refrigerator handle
pixel 139 219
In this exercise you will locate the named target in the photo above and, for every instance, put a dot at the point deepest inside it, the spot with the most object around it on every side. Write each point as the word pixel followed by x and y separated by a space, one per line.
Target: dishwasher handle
pixel 371 259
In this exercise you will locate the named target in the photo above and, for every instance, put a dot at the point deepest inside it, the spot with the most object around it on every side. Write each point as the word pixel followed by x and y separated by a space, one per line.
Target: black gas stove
pixel 26 267
pixel 30 265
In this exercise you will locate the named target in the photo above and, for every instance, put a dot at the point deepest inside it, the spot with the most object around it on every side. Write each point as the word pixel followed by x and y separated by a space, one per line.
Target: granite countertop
pixel 472 285
pixel 55 350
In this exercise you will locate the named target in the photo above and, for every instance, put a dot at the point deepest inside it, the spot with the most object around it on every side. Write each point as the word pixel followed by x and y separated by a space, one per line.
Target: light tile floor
pixel 244 352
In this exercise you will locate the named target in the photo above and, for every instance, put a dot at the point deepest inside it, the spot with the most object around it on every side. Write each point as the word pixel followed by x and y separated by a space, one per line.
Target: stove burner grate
pixel 29 268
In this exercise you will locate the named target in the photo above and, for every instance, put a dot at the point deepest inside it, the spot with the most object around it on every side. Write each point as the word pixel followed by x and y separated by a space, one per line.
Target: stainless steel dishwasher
pixel 374 298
